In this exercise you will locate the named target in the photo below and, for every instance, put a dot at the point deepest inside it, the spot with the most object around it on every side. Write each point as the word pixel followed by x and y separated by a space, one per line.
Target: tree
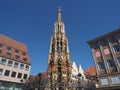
pixel 39 80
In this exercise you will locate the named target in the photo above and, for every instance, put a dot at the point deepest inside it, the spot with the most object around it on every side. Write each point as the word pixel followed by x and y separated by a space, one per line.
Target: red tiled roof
pixel 13 43
pixel 44 75
pixel 33 77
pixel 91 71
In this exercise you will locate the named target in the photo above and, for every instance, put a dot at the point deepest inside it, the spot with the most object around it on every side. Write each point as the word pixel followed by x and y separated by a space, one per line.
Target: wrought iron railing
pixel 44 85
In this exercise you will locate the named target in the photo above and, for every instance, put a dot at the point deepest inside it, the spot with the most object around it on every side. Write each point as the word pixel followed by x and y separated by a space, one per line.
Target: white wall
pixel 74 71
pixel 17 70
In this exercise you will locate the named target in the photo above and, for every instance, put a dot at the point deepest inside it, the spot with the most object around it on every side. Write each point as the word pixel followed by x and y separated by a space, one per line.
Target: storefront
pixel 10 86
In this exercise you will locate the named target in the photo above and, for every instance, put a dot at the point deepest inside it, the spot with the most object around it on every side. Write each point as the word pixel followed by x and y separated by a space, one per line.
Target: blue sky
pixel 31 22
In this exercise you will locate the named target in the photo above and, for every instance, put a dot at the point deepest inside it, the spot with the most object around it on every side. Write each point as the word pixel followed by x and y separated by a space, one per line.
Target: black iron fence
pixel 44 85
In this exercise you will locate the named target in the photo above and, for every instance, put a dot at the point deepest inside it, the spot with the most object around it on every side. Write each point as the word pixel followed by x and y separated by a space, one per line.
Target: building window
pixel 96 45
pixel 25 59
pixel 104 81
pixel 17 57
pixel 113 39
pixel 21 66
pixel 16 65
pixel 8 54
pixel 97 54
pixel 13 74
pixel 106 51
pixel 111 63
pixel 19 75
pixel 118 59
pixel 8 48
pixel 104 42
pixel 116 48
pixel 2 85
pixel 1 71
pixel 24 53
pixel 3 61
pixel 115 80
pixel 25 76
pixel 10 63
pixel 16 51
pixel 7 72
pixel 101 65
pixel 0 51
pixel 1 45
pixel 26 67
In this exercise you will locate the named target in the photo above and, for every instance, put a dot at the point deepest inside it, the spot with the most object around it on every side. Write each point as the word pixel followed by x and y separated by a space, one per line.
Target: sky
pixel 32 23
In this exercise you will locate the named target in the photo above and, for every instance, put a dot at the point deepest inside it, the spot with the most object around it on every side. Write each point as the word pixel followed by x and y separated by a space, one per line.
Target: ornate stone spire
pixel 59 14
pixel 59 65
pixel 59 25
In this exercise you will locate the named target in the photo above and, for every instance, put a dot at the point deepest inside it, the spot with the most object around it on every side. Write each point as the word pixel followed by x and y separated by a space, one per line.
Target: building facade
pixel 78 78
pixel 77 73
pixel 59 64
pixel 106 54
pixel 74 73
pixel 14 64
pixel 81 72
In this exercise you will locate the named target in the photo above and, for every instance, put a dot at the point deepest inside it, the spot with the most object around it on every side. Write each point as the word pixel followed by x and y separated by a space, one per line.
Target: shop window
pixel 104 81
pixel 115 80
pixel 2 85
